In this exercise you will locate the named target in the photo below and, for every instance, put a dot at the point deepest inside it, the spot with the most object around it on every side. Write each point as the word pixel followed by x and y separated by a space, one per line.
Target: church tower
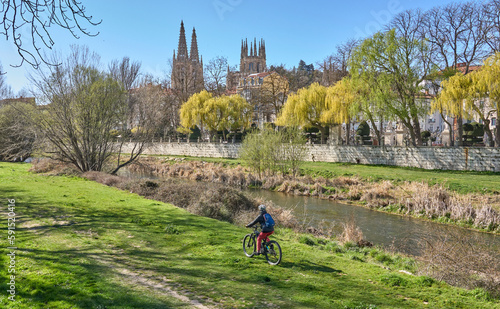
pixel 187 68
pixel 252 61
pixel 255 60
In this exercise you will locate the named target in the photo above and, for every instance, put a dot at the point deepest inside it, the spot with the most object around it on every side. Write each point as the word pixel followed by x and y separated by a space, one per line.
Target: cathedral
pixel 252 61
pixel 187 68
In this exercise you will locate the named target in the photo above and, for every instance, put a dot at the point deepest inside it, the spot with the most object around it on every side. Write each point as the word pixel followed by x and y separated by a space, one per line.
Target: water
pixel 403 233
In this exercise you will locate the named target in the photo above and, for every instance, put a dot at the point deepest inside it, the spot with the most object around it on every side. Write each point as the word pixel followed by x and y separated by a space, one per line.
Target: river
pixel 404 234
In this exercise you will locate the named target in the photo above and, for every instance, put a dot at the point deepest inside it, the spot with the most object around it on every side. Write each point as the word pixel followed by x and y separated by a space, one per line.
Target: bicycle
pixel 272 249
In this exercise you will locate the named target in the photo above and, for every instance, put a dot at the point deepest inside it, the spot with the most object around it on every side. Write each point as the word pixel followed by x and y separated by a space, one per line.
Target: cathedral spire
pixel 255 46
pixel 262 52
pixel 194 47
pixel 182 52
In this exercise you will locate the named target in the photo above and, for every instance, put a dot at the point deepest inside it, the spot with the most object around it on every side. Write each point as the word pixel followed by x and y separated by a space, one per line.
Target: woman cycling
pixel 266 229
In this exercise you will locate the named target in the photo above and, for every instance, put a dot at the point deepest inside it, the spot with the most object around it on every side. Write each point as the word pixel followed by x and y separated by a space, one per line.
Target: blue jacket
pixel 260 219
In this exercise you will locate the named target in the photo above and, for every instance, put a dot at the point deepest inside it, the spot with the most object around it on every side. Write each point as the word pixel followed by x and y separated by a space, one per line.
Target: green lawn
pixel 85 245
pixel 459 181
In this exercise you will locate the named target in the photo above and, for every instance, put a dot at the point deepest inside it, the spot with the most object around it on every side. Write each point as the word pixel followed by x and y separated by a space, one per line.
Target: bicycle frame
pixel 271 248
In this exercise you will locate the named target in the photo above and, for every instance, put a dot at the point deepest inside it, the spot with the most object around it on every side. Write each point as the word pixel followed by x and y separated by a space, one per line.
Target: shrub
pixel 383 258
pixel 269 151
pixel 172 229
pixel 307 240
pixel 424 281
pixel 460 261
pixel 351 232
pixel 393 280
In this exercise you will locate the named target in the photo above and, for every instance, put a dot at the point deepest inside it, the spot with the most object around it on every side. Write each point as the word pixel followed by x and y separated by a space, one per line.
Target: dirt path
pixel 150 281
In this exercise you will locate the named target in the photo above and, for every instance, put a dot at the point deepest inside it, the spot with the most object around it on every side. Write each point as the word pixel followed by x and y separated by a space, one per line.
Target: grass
pixel 85 245
pixel 459 181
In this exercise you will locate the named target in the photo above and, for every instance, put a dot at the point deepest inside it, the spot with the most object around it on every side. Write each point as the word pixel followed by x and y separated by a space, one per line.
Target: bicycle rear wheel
pixel 249 245
pixel 273 252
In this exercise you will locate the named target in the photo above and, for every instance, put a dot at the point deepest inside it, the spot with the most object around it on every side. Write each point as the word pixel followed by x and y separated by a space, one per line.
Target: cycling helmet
pixel 262 208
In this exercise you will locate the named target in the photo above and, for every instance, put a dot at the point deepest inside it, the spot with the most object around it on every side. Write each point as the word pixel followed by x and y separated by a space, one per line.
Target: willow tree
pixel 465 96
pixel 396 64
pixel 227 113
pixel 215 113
pixel 307 108
pixel 192 112
pixel 451 99
pixel 339 100
pixel 486 85
pixel 491 87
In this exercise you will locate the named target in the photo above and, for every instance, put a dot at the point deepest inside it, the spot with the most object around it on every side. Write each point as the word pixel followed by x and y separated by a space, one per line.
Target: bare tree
pixel 458 36
pixel 17 133
pixel 30 21
pixel 491 11
pixel 273 94
pixel 5 89
pixel 84 108
pixel 335 66
pixel 148 115
pixel 215 75
pixel 127 73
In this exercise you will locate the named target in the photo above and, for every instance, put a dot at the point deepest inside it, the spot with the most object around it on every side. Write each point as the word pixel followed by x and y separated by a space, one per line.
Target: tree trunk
pixel 323 134
pixel 497 130
pixel 417 132
pixel 377 132
pixel 460 131
pixel 347 133
pixel 487 130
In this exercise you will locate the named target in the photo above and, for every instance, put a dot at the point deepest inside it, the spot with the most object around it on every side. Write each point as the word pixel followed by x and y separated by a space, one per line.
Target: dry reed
pixel 461 261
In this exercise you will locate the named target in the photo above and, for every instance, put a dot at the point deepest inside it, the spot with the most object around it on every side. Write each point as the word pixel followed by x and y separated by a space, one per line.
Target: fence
pixel 445 158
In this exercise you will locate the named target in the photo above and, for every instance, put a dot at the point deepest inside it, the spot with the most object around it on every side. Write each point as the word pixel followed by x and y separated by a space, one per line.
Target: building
pixel 252 61
pixel 187 68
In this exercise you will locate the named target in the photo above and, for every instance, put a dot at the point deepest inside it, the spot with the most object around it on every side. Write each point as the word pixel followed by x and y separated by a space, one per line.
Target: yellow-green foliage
pixel 215 113
pixel 460 93
pixel 191 112
pixel 305 108
pixel 339 99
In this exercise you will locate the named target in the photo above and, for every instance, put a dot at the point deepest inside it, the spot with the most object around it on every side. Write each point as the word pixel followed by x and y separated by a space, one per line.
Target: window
pixel 493 122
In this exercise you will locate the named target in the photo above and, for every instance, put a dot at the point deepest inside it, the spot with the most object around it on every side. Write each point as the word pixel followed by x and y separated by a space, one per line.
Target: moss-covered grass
pixel 85 245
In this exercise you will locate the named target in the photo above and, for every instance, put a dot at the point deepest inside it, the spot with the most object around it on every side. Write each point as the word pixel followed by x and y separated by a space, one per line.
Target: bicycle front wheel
pixel 249 245
pixel 273 252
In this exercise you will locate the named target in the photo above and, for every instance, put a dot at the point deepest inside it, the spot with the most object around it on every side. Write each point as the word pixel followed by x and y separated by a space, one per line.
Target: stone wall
pixel 446 158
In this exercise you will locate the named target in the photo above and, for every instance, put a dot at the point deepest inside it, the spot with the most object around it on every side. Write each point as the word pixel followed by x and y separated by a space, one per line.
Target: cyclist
pixel 266 230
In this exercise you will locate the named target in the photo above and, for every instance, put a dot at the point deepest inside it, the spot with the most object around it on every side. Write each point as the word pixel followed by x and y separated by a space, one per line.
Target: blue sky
pixel 148 31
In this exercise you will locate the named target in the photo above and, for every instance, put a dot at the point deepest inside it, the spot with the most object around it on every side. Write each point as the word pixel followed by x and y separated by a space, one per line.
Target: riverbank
pixel 83 244
pixel 394 190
